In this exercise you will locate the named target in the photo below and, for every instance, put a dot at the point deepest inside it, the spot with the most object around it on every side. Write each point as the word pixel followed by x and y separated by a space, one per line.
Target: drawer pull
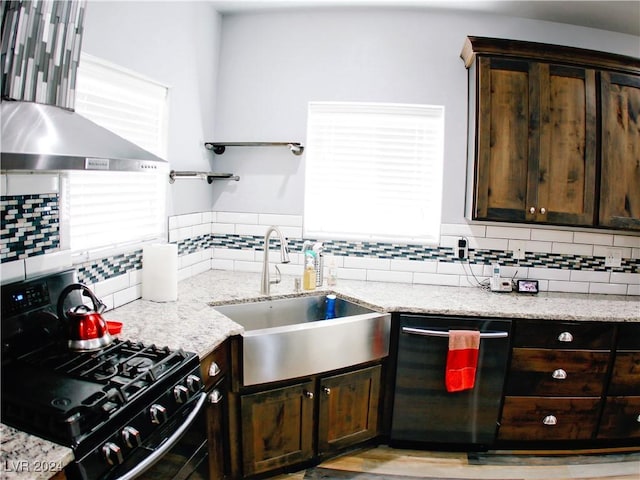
pixel 559 374
pixel 308 394
pixel 214 369
pixel 215 397
pixel 638 419
pixel 550 420
pixel 565 337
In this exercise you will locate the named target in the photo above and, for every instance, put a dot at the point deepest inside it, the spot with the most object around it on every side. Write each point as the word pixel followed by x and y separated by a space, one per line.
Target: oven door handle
pixel 166 446
pixel 440 333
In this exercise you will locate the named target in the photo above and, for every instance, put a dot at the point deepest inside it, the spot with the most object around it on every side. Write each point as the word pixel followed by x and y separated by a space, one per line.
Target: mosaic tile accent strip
pixel 421 252
pixel 29 225
pixel 105 268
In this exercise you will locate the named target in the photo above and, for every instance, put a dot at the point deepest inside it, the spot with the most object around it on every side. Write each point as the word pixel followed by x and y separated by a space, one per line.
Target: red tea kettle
pixel 87 329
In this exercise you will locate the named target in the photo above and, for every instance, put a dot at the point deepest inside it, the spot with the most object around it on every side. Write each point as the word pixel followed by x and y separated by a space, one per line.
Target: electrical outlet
pixel 613 258
pixel 463 249
pixel 517 249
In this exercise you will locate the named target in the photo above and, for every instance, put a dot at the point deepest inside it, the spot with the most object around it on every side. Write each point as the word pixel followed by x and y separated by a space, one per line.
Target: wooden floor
pixel 385 461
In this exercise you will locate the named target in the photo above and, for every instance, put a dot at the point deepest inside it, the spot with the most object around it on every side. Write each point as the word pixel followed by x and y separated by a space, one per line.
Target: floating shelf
pixel 220 147
pixel 208 176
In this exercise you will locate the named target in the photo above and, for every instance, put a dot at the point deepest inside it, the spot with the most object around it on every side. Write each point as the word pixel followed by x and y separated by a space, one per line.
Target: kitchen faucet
pixel 284 258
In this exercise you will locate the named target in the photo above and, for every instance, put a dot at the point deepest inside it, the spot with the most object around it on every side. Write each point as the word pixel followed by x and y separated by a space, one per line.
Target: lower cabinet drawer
pixel 566 373
pixel 548 418
pixel 621 418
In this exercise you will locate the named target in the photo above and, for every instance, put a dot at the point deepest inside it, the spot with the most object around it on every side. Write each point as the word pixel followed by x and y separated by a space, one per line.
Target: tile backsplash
pixel 561 260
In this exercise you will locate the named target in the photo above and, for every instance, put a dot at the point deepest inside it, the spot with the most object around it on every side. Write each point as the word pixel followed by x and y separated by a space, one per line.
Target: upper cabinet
pixel 551 129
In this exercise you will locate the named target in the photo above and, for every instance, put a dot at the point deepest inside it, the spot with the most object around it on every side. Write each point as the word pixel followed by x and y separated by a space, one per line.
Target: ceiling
pixel 615 16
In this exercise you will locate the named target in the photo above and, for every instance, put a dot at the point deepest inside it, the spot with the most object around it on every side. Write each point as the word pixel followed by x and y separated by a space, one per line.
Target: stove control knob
pixel 112 453
pixel 181 393
pixel 158 414
pixel 131 437
pixel 194 383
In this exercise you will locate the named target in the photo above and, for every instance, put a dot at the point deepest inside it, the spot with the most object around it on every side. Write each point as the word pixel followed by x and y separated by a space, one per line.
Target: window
pixel 374 172
pixel 109 209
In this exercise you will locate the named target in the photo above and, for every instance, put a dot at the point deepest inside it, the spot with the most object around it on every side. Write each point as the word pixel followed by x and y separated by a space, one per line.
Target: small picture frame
pixel 527 286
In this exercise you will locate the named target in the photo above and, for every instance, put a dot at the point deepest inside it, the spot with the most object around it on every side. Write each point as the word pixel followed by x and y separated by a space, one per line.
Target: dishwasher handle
pixel 445 334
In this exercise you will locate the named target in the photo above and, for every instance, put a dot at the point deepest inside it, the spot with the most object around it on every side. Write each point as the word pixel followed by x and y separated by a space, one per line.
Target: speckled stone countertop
pixel 191 324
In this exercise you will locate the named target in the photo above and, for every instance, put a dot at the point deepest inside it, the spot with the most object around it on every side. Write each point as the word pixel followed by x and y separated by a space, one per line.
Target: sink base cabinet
pixel 293 424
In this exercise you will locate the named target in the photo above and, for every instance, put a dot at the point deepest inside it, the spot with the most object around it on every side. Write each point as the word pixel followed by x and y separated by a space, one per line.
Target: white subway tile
pixel 593 238
pixel 251 230
pixel 173 222
pixel 477 243
pixel 50 262
pixel 111 285
pixel 633 289
pixel 632 241
pixel 184 273
pixel 389 276
pixel 369 263
pixel 608 288
pixel 30 184
pixel 201 230
pixel 3 185
pixel 189 220
pixel 549 274
pixel 436 279
pixel 589 276
pixel 352 274
pixel 509 232
pixel 208 217
pixel 551 235
pixel 233 217
pixel 135 277
pixel 602 251
pixel 290 269
pixel 191 259
pixel 242 266
pixel 462 230
pixel 569 287
pixel 233 254
pixel 537 246
pixel 635 253
pixel 128 295
pixel 222 264
pixel 280 220
pixel 183 233
pixel 572 249
pixel 470 281
pixel 414 266
pixel 201 267
pixel 223 228
pixel 106 299
pixel 623 277
pixel 451 268
pixel 12 271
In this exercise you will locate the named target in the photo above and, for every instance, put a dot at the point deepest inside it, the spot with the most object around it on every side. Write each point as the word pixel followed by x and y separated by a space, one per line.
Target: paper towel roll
pixel 160 272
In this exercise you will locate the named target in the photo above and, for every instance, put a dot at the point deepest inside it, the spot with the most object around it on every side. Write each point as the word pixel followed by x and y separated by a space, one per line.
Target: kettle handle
pixel 98 306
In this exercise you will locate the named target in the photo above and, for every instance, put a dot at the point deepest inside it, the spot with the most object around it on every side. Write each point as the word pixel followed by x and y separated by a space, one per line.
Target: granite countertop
pixel 191 324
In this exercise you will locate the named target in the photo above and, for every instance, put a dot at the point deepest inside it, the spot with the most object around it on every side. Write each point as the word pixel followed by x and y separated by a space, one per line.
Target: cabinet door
pixel 348 409
pixel 621 418
pixel 620 179
pixel 277 427
pixel 217 431
pixel 502 146
pixel 562 172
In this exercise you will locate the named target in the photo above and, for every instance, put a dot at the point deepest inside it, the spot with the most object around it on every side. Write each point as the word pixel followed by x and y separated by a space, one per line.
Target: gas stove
pixel 116 407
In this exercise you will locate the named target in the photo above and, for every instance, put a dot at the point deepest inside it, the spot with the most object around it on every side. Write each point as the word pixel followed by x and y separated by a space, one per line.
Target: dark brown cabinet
pixel 556 380
pixel 534 135
pixel 621 415
pixel 620 184
pixel 282 426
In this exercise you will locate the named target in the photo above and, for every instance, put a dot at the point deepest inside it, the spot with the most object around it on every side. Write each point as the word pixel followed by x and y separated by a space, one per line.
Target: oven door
pixel 182 456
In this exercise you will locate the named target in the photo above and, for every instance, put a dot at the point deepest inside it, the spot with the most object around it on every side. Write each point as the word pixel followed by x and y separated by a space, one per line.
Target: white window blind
pixel 374 171
pixel 112 209
pixel 128 104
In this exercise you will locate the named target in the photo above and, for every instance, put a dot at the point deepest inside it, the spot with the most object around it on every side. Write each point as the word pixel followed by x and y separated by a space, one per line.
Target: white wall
pixel 177 44
pixel 272 64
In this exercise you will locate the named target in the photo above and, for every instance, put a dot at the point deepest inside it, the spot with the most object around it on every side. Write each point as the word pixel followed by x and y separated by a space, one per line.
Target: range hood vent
pixel 40 131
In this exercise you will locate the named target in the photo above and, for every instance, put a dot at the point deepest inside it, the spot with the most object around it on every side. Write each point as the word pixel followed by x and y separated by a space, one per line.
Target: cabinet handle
pixel 532 210
pixel 550 420
pixel 565 337
pixel 559 374
pixel 308 394
pixel 326 390
pixel 214 369
pixel 543 210
pixel 638 419
pixel 214 397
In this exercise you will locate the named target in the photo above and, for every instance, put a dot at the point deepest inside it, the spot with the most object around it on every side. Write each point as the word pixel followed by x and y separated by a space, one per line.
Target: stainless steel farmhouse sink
pixel 289 337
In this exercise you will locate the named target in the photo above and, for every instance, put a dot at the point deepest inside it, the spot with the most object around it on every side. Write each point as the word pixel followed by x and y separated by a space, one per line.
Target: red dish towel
pixel 462 360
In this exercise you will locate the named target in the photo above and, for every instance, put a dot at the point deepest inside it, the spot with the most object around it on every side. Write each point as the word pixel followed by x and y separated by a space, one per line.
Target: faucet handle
pixel 278 276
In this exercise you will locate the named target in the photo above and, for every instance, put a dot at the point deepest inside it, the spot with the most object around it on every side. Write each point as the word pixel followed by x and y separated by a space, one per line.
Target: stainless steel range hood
pixel 45 137
pixel 40 49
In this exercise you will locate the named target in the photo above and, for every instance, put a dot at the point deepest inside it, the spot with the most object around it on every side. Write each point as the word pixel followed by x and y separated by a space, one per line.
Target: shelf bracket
pixel 208 176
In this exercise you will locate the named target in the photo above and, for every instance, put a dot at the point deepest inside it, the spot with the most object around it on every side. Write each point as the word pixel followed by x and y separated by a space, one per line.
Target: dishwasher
pixel 423 411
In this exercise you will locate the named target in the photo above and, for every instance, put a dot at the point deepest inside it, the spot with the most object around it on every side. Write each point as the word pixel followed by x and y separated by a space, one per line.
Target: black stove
pixel 115 407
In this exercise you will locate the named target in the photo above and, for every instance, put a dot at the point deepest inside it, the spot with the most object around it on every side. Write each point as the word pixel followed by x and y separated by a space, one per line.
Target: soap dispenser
pixel 309 275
